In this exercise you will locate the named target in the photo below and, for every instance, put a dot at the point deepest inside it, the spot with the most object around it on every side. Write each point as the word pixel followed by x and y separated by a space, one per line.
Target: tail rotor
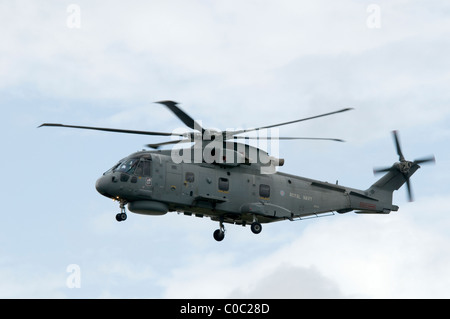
pixel 407 168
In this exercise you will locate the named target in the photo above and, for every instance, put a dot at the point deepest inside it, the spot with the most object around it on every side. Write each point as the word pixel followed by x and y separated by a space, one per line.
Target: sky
pixel 230 64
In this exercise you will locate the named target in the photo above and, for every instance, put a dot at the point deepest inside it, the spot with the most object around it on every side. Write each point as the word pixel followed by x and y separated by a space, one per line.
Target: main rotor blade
pixel 183 116
pixel 111 129
pixel 397 145
pixel 290 122
pixel 157 145
pixel 288 138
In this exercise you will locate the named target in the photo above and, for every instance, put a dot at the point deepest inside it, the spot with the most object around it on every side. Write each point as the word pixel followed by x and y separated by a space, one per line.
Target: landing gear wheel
pixel 256 227
pixel 219 235
pixel 120 217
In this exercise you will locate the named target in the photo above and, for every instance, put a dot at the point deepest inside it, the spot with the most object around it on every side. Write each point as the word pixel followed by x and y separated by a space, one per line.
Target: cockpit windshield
pixel 128 166
pixel 137 166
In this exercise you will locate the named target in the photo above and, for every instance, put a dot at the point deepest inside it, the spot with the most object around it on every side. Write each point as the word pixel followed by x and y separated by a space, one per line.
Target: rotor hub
pixel 405 166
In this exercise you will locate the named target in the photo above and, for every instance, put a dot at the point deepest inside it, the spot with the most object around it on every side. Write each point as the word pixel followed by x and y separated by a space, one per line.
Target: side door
pixel 190 181
pixel 206 182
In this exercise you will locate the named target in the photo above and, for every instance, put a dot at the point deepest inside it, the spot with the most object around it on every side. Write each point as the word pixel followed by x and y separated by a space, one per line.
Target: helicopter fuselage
pixel 151 183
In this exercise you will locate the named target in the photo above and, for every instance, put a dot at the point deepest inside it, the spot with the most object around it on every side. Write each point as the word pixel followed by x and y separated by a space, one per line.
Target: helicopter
pixel 236 183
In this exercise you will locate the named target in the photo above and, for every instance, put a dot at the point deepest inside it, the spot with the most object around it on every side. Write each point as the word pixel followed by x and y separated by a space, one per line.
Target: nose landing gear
pixel 120 217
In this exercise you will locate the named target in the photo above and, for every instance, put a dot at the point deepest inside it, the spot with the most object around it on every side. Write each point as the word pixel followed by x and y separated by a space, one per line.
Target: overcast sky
pixel 231 64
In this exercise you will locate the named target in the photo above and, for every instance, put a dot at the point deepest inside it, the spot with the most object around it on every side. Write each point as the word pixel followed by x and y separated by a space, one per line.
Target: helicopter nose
pixel 102 186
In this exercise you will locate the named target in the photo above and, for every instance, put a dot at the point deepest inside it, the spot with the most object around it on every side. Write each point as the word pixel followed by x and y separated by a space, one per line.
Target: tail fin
pixel 395 177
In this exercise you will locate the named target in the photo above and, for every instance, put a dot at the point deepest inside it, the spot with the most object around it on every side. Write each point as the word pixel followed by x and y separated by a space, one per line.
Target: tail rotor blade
pixel 408 189
pixel 397 145
pixel 430 159
pixel 381 170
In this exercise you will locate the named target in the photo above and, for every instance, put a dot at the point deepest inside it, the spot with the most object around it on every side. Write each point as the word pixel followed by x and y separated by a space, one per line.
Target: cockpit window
pixel 128 166
pixel 112 169
pixel 137 166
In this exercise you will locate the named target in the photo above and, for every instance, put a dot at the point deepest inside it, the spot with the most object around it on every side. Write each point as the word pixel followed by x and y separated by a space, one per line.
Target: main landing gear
pixel 256 227
pixel 120 217
pixel 219 234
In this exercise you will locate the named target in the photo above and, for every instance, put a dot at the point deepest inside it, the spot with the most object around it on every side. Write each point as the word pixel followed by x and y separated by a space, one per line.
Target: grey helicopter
pixel 236 183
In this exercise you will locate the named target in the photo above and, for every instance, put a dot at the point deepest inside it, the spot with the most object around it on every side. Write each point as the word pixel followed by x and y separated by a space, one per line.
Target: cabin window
pixel 264 190
pixel 224 184
pixel 189 177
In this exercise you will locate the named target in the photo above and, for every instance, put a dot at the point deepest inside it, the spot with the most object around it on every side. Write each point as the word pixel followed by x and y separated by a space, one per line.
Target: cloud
pixel 289 282
pixel 126 53
pixel 26 281
pixel 307 58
